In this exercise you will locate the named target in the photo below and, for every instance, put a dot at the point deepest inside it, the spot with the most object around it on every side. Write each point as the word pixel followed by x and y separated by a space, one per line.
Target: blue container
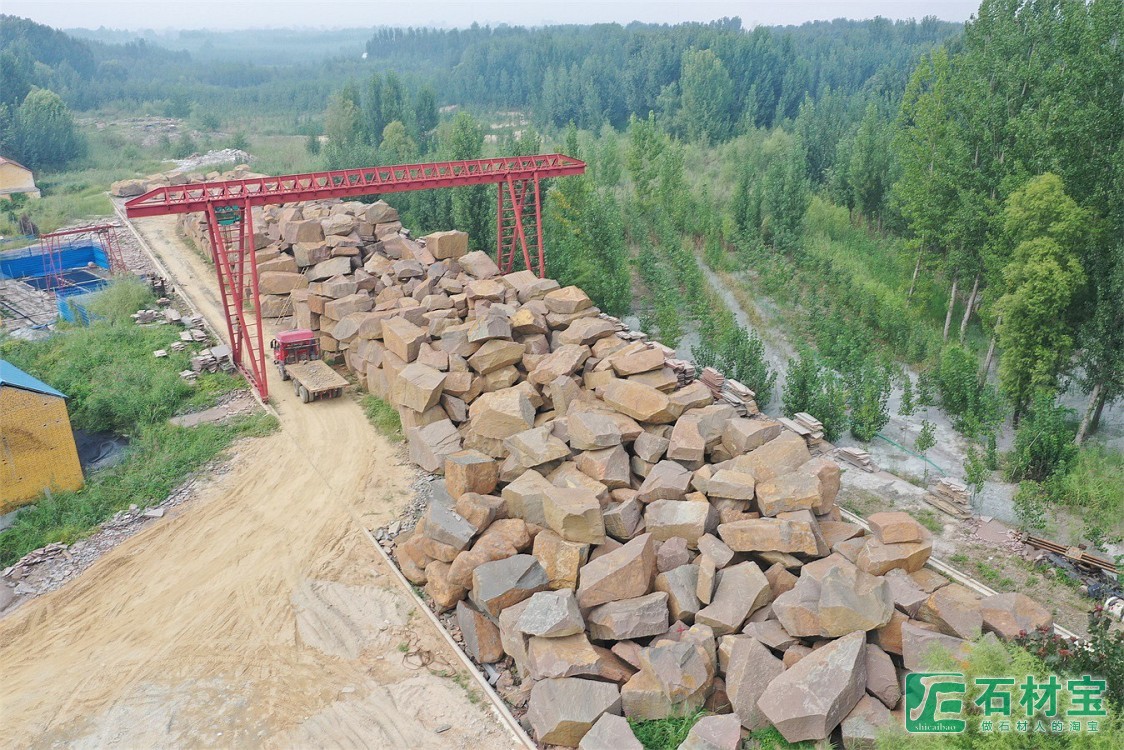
pixel 30 263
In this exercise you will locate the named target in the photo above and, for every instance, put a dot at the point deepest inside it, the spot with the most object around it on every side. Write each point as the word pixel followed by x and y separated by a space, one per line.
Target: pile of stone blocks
pixel 139 186
pixel 626 543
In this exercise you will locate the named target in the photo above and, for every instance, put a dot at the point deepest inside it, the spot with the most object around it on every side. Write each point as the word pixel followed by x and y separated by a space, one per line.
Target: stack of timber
pixel 856 457
pixel 950 496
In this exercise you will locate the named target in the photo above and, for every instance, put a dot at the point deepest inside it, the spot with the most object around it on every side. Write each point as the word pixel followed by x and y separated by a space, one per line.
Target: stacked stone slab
pixel 632 546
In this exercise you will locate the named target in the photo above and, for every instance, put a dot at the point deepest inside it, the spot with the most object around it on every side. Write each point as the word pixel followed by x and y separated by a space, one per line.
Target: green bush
pixel 1043 442
pixel 816 390
pixel 738 354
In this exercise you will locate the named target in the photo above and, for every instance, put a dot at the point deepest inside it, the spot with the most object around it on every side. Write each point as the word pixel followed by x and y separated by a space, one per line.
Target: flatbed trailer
pixel 314 380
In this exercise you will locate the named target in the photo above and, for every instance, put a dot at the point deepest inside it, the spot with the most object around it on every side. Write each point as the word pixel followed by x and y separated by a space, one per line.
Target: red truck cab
pixel 290 347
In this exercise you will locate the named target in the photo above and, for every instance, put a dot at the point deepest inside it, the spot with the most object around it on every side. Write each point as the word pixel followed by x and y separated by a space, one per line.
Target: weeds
pixel 929 520
pixel 664 734
pixel 158 460
pixel 384 417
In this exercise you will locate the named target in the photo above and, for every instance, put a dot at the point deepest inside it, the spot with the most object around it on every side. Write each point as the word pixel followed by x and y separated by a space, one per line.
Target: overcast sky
pixel 243 14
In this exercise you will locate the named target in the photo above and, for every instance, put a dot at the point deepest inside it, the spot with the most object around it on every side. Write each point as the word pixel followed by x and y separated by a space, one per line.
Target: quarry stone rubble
pixel 574 450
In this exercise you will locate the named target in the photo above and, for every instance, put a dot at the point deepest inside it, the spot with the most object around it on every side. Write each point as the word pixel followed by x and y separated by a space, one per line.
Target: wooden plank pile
pixel 950 496
pixel 856 457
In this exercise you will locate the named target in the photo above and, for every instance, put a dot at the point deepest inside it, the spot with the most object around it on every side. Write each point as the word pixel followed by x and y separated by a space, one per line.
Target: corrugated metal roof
pixel 16 378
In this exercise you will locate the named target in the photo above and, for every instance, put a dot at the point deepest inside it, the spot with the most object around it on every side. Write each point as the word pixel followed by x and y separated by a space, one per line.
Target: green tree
pixel 472 208
pixel 425 114
pixel 344 128
pixel 646 143
pixel 786 199
pixel 811 388
pixel 45 136
pixel 707 95
pixel 739 354
pixel 396 147
pixel 927 438
pixel 1043 442
pixel 1046 228
pixel 869 168
pixel 931 151
pixel 869 393
pixel 587 242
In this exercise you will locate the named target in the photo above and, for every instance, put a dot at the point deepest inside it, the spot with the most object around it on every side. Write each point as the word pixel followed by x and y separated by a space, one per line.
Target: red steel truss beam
pixel 345 183
pixel 228 206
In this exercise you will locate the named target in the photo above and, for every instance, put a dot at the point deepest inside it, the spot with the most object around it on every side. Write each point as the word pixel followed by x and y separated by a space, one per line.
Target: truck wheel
pixel 305 395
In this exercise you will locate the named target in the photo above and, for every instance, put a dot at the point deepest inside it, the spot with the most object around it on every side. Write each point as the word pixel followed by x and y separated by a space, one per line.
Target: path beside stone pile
pixel 257 615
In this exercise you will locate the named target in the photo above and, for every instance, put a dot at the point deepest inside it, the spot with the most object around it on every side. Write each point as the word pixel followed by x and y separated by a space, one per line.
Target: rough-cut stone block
pixel 955 610
pixel 623 519
pixel 731 485
pixel 567 300
pixel 907 595
pixel 610 732
pixel 1008 615
pixel 551 614
pixel 624 573
pixel 743 435
pixel 893 527
pixel 446 245
pixel 419 387
pixel 430 445
pixel 562 711
pixel 562 362
pixel 668 480
pixel 525 497
pixel 866 722
pixel 641 402
pixel 721 732
pixel 769 534
pixel 919 644
pixel 666 519
pixel 609 466
pixel 481 636
pixel 716 550
pixel 808 701
pixel 445 594
pixel 560 558
pixel 679 584
pixel 445 526
pixel 650 447
pixel 629 618
pixel 750 669
pixel 470 471
pixel 501 414
pixel 781 455
pixel 882 676
pixel 742 588
pixel 684 670
pixel 281 282
pixel 496 355
pixel 501 583
pixel 878 558
pixel 788 492
pixel 535 447
pixel 575 515
pixel 593 431
pixel 403 338
pixel 852 600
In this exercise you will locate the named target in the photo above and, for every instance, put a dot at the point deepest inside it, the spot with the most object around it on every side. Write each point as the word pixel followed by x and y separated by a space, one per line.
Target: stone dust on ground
pixel 222 625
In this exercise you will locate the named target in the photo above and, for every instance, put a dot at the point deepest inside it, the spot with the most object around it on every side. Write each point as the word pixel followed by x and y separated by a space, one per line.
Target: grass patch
pixel 158 460
pixel 115 384
pixel 664 734
pixel 771 739
pixel 930 520
pixel 468 687
pixel 383 416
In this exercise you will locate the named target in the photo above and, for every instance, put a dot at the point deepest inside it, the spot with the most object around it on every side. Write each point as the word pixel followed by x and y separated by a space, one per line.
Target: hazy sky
pixel 242 14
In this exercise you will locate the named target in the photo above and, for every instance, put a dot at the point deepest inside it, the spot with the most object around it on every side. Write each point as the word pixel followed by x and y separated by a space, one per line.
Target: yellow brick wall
pixel 36 447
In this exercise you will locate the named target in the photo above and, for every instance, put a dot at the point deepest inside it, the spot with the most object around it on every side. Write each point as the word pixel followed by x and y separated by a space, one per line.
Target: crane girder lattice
pixel 228 208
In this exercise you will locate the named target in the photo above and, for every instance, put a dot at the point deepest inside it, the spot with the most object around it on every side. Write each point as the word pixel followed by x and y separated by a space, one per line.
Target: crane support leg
pixel 232 250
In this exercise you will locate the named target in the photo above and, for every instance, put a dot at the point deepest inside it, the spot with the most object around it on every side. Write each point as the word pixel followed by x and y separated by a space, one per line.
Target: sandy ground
pixel 257 615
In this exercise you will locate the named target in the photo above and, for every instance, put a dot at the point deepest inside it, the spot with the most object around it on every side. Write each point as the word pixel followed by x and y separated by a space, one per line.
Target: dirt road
pixel 257 615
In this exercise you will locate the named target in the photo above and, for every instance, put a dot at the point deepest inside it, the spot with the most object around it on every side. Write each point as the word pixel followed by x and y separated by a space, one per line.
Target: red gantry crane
pixel 228 205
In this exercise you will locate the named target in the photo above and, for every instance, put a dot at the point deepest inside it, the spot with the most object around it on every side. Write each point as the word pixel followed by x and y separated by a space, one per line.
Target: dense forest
pixel 940 206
